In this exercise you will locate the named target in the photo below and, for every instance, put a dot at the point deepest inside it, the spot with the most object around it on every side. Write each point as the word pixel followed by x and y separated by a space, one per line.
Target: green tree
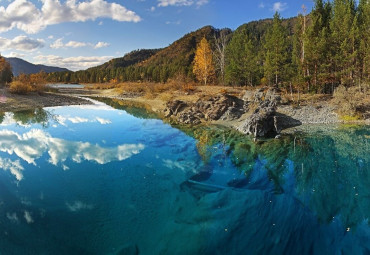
pixel 242 68
pixel 276 50
pixel 318 45
pixel 364 37
pixel 299 68
pixel 344 40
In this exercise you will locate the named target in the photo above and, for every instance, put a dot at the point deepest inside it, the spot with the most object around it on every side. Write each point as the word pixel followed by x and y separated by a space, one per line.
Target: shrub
pixel 351 102
pixel 19 87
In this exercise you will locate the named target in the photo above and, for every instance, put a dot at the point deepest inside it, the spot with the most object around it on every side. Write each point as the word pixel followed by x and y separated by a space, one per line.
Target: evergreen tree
pixel 344 39
pixel 242 66
pixel 276 50
pixel 364 37
pixel 318 39
pixel 298 67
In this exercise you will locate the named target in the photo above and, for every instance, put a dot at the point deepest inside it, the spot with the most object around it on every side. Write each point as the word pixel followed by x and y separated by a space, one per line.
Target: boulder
pixel 260 123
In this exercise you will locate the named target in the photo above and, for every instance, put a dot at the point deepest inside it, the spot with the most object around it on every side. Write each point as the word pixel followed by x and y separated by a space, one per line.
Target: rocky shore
pixel 259 113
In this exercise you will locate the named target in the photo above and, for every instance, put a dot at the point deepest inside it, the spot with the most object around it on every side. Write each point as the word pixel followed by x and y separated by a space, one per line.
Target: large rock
pixel 260 123
pixel 208 109
pixel 264 120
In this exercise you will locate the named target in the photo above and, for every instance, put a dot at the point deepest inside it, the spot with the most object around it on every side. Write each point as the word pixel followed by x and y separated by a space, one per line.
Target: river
pixel 114 179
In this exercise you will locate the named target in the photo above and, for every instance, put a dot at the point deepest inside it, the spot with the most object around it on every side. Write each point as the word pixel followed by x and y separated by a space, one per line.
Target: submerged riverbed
pixel 95 179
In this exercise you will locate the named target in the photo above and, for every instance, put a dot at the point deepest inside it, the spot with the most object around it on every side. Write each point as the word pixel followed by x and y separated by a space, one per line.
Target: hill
pixel 129 59
pixel 21 66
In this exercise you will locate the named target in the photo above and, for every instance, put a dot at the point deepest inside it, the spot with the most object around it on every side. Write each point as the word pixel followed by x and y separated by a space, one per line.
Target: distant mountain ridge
pixel 21 66
pixel 129 59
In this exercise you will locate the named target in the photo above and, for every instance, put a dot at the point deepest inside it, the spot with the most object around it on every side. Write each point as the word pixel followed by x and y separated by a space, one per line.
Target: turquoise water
pixel 98 180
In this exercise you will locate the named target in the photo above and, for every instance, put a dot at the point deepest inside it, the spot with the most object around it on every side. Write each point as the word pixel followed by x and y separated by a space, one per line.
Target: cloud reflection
pixel 32 145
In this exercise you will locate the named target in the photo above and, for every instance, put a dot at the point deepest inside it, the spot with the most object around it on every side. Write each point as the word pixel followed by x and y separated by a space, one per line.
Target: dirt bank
pixel 12 102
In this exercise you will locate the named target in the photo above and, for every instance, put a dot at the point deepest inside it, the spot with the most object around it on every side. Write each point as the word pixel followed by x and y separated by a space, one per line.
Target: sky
pixel 78 34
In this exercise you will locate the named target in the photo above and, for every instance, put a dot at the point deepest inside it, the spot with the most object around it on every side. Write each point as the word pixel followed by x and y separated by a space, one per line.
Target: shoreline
pixel 307 115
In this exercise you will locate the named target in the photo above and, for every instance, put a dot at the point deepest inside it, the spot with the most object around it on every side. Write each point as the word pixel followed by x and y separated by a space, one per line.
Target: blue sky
pixel 78 34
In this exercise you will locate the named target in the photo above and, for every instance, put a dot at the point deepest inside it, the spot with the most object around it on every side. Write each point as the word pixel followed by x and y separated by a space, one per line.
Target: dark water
pixel 97 180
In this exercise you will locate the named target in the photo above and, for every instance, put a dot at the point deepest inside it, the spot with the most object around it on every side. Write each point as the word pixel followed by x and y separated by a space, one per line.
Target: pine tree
pixel 299 67
pixel 242 66
pixel 364 40
pixel 344 43
pixel 203 63
pixel 318 40
pixel 276 48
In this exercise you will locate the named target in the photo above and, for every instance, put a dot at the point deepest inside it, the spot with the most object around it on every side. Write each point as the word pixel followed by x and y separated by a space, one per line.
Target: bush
pixel 28 83
pixel 353 101
pixel 19 87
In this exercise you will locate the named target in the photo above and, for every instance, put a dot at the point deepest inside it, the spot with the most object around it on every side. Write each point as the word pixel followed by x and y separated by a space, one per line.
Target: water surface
pixel 98 180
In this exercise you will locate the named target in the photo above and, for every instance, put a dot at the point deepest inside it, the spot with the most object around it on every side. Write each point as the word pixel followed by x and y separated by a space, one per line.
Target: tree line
pixel 313 52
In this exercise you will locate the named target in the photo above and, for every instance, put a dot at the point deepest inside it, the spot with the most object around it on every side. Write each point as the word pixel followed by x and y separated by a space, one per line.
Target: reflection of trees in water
pixel 330 172
pixel 336 177
pixel 138 110
pixel 35 116
pixel 2 116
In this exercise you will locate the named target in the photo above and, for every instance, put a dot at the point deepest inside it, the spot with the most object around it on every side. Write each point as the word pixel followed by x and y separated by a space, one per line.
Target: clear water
pixel 66 86
pixel 97 180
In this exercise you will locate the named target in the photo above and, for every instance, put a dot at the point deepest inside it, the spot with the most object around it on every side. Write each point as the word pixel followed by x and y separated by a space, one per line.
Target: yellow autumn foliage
pixel 203 68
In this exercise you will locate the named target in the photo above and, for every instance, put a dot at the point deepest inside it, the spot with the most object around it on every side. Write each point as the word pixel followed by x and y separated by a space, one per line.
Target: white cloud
pixel 12 217
pixel 201 2
pixel 103 121
pixel 101 45
pixel 100 23
pixel 24 15
pixel 28 217
pixel 72 63
pixel 173 22
pixel 152 9
pixel 32 145
pixel 78 206
pixel 14 167
pixel 165 3
pixel 21 42
pixel 261 5
pixel 279 7
pixel 16 55
pixel 74 44
pixel 57 44
pixel 76 120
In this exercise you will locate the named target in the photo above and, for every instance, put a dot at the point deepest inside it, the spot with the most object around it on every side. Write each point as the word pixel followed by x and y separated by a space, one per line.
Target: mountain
pixel 174 61
pixel 129 59
pixel 21 66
